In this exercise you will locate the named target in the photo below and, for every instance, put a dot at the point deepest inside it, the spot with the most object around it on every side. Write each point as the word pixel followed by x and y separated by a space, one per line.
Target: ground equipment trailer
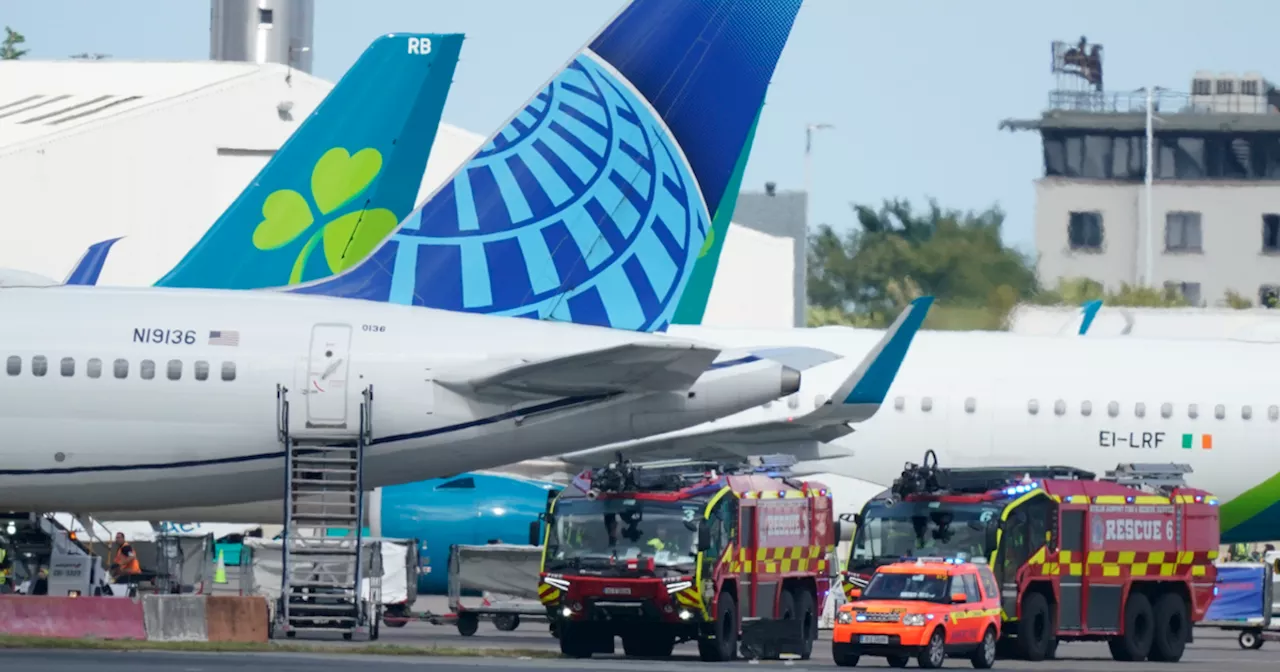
pixel 665 552
pixel 1126 558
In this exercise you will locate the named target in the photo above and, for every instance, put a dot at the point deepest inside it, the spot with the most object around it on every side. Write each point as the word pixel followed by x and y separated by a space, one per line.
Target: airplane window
pixel 122 368
pixel 1086 408
pixel 899 403
pixel 202 370
pixel 1246 412
pixel 175 369
pixel 1033 406
pixel 228 370
pixel 1059 407
pixel 970 404
pixel 1113 409
pixel 1219 411
pixel 146 370
pixel 1140 409
pixel 926 404
pixel 39 365
pixel 1273 413
pixel 1193 411
pixel 13 365
pixel 458 483
pixel 1166 410
pixel 68 367
pixel 93 367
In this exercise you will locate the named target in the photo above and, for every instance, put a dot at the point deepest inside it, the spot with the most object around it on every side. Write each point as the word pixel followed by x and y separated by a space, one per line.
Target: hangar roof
pixel 45 98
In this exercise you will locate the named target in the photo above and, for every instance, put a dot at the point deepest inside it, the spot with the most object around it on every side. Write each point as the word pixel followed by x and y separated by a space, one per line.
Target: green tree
pixel 897 253
pixel 9 50
pixel 1074 291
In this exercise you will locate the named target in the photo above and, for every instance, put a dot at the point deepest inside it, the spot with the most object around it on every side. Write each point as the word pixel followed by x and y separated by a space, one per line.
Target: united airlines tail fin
pixel 341 183
pixel 595 201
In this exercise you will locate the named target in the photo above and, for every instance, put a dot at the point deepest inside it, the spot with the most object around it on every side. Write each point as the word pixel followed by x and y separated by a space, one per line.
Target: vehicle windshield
pixel 922 529
pixel 895 586
pixel 605 533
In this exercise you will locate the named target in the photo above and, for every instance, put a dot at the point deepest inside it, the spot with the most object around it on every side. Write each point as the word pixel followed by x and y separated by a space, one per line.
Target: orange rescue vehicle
pixel 924 608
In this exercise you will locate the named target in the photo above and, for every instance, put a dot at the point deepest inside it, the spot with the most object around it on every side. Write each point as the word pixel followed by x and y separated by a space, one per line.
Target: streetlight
pixel 803 260
pixel 1148 267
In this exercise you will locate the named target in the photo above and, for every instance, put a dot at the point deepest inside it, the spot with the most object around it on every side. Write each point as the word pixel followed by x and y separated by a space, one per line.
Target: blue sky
pixel 916 88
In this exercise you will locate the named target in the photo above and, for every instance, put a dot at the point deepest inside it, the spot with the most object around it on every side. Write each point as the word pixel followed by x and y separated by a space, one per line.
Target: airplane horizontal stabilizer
pixel 633 367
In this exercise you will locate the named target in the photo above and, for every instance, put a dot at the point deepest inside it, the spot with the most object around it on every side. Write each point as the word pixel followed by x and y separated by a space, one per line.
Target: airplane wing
pixel 780 429
pixel 659 366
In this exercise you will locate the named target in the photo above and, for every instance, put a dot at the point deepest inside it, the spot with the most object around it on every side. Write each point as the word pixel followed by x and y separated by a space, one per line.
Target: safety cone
pixel 220 572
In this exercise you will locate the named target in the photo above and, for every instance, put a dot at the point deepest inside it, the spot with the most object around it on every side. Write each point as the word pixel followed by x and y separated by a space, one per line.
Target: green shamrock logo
pixel 337 178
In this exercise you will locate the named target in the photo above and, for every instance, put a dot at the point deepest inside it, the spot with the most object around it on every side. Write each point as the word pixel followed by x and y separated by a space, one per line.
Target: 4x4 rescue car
pixel 926 608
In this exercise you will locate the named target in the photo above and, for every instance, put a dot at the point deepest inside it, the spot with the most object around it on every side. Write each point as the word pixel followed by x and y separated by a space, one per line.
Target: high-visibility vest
pixel 127 564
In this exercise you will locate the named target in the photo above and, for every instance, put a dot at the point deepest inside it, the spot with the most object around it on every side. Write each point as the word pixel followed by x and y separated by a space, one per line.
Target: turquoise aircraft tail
pixel 348 175
pixel 595 201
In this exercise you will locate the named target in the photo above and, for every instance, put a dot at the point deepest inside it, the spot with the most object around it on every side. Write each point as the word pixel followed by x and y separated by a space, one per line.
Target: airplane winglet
pixel 1089 309
pixel 869 383
pixel 89 267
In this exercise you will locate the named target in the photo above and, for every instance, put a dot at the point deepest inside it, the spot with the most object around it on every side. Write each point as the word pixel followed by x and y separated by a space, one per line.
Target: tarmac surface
pixel 1213 650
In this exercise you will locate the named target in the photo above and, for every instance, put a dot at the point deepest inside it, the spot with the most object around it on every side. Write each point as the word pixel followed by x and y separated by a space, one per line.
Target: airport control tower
pixel 263 31
pixel 1204 219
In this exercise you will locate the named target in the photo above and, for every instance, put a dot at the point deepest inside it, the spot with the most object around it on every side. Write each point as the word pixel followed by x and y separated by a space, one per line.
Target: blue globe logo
pixel 582 209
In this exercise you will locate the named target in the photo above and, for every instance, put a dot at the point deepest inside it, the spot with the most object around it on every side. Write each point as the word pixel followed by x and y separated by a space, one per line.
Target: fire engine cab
pixel 1126 558
pixel 664 552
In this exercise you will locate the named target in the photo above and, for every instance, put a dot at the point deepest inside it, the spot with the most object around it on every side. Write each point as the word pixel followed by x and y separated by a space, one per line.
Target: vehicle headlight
pixel 913 619
pixel 844 617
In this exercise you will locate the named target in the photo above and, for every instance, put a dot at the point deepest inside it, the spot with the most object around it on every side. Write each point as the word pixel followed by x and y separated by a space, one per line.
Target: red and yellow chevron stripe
pixel 1121 564
pixel 780 560
pixel 548 594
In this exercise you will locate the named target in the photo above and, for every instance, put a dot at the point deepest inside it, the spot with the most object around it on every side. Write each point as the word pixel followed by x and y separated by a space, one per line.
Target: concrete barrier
pixel 72 617
pixel 237 619
pixel 175 618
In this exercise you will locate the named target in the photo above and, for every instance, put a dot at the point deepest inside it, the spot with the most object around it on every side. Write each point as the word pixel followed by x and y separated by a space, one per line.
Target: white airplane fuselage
pixel 125 399
pixel 996 399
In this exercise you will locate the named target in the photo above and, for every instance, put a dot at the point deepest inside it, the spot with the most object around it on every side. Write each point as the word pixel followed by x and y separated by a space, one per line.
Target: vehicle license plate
pixel 874 639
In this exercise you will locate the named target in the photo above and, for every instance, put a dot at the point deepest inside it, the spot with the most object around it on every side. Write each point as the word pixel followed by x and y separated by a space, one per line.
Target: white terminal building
pixel 1214 197
pixel 156 151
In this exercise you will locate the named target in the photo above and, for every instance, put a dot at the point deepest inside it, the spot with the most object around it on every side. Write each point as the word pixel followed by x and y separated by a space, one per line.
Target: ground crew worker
pixel 124 562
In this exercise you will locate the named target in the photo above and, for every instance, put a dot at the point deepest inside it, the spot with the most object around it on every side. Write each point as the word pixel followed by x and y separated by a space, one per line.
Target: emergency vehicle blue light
pixel 1199 498
pixel 782 494
pixel 1128 499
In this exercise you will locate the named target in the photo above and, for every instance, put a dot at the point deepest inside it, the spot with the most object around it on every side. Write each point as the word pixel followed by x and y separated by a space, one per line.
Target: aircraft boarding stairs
pixel 321 559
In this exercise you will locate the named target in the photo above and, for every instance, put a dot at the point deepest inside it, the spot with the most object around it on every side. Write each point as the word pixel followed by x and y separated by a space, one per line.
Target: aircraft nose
pixel 790 381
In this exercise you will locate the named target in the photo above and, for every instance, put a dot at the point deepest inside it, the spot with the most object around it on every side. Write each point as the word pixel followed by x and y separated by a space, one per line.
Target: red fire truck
pixel 1126 558
pixel 665 552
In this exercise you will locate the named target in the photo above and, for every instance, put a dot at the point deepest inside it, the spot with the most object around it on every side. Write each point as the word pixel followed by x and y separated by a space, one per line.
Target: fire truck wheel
pixel 1035 627
pixel 1171 625
pixel 985 655
pixel 935 652
pixel 1135 643
pixel 807 612
pixel 574 642
pixel 786 605
pixel 724 646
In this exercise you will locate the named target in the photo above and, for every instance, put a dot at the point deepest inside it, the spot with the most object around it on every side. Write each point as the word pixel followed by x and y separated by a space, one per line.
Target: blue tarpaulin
pixel 1241 594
